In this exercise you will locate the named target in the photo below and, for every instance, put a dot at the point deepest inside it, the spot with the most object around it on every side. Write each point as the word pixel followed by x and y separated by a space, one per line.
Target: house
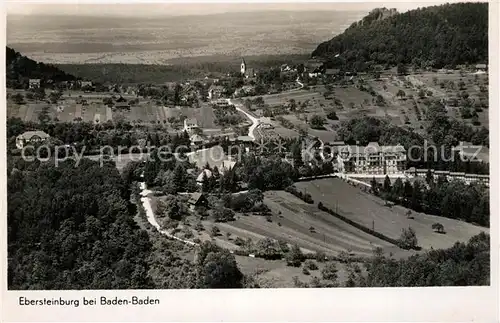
pixel 244 139
pixel 265 123
pixel 30 137
pixel 197 200
pixel 190 124
pixel 450 176
pixel 220 103
pixel 86 84
pixel 332 71
pixel 245 90
pixel 285 68
pixel 204 173
pixel 34 83
pixel 313 65
pixel 122 105
pixel 215 92
pixel 481 67
pixel 372 159
pixel 474 153
pixel 196 140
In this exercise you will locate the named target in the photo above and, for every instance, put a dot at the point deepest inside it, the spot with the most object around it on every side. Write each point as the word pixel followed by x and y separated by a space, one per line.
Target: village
pixel 360 159
pixel 291 112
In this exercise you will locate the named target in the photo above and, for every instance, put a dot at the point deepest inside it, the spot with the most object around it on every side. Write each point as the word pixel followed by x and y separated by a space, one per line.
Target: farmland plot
pixel 297 222
pixel 370 211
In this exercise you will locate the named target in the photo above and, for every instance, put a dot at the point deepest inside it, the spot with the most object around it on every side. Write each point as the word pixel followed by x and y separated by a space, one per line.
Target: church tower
pixel 243 67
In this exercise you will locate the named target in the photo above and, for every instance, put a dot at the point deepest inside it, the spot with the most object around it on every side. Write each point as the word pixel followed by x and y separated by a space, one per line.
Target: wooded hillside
pixel 435 36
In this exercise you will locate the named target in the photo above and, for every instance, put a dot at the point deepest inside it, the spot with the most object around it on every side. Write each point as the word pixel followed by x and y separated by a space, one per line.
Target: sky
pixel 133 8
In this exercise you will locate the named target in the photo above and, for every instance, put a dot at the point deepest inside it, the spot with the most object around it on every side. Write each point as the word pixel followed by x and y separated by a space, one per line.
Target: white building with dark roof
pixel 30 137
pixel 372 159
pixel 34 83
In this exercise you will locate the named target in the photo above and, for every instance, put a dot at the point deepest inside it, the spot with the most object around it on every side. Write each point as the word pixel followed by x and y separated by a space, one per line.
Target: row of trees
pixel 455 199
pixel 93 137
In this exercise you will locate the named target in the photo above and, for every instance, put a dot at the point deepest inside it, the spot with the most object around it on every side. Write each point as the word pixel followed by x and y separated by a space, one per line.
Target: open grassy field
pixel 369 211
pixel 276 274
pixel 297 222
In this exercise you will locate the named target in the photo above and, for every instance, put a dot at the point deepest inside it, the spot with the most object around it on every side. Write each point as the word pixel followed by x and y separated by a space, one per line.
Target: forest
pixel 74 228
pixel 20 68
pixel 464 264
pixel 431 37
pixel 438 196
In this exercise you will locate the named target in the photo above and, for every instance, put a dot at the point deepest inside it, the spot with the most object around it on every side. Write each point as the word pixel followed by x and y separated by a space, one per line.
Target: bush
pixel 332 115
pixel 320 256
pixel 305 271
pixel 329 272
pixel 294 257
pixel 199 227
pixel 311 265
pixel 214 232
pixel 306 197
pixel 239 241
pixel 408 239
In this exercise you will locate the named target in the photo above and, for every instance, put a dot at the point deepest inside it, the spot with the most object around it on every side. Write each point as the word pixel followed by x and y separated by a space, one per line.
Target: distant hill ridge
pixel 436 36
pixel 20 68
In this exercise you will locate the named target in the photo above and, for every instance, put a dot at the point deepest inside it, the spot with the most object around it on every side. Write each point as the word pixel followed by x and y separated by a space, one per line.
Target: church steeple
pixel 243 66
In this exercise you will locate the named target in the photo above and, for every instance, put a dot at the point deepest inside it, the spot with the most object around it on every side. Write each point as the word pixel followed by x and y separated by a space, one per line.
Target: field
pixel 369 211
pixel 276 274
pixel 299 223
pixel 157 40
pixel 145 112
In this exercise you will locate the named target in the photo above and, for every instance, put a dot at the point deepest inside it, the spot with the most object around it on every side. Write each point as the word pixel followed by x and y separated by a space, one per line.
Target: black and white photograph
pixel 159 146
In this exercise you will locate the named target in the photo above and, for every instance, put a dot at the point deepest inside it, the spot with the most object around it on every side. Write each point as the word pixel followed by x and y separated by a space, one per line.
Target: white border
pixel 447 304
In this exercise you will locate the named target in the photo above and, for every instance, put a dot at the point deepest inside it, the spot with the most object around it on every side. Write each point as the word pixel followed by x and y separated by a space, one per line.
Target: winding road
pixel 255 121
pixel 146 203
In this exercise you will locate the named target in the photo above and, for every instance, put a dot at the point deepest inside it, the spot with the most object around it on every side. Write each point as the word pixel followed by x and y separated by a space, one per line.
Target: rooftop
pixel 30 134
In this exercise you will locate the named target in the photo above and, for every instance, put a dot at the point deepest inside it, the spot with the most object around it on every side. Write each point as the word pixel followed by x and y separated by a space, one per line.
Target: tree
pixel 320 256
pixel 429 178
pixel 402 70
pixel 18 98
pixel 217 268
pixel 401 94
pixel 294 257
pixel 408 239
pixel 387 184
pixel 55 96
pixel 317 122
pixel 311 265
pixel 332 115
pixel 438 227
pixel 329 272
pixel 214 231
pixel 222 214
pixel 374 186
pixel 268 249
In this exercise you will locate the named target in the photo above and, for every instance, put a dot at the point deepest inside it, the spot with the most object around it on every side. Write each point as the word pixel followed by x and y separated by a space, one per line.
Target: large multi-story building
pixel 371 159
pixel 449 176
